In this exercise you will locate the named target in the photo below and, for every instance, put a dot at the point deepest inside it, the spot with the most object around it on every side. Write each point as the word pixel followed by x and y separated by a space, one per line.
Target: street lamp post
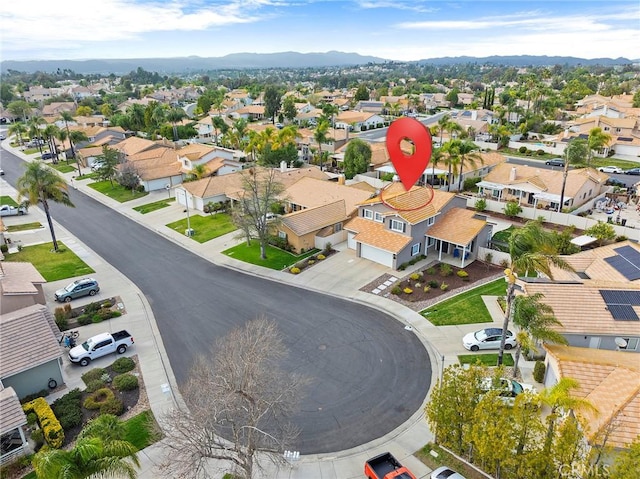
pixel 186 203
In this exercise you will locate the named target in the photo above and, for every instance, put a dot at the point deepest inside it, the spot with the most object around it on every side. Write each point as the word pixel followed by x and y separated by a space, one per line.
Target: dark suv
pixel 77 289
pixel 555 162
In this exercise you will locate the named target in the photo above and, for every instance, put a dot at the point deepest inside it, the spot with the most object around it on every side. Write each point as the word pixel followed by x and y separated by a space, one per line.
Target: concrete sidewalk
pixel 341 274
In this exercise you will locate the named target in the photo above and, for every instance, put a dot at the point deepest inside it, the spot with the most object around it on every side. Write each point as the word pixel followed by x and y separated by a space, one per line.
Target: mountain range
pixel 236 61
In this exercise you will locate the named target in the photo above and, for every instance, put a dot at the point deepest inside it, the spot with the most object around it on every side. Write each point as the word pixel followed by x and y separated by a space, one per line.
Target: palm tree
pixel 532 250
pixel 174 116
pixel 597 140
pixel 67 117
pixel 35 132
pixel 466 150
pixel 75 137
pixel 437 157
pixel 536 320
pixel 39 184
pixel 199 171
pixel 62 136
pixel 19 130
pixel 559 398
pixel 90 457
pixel 219 125
pixel 577 154
pixel 106 426
pixel 443 124
pixel 50 132
pixel 320 136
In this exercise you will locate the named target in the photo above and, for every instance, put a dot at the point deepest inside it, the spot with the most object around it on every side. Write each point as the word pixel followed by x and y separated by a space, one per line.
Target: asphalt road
pixel 369 374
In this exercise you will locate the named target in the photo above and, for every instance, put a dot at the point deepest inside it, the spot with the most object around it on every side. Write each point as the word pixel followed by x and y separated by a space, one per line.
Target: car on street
pixel 610 169
pixel 9 210
pixel 77 289
pixel 488 338
pixel 3 136
pixel 632 171
pixel 555 162
pixel 445 473
pixel 508 389
pixel 47 155
pixel 1 172
pixel 615 182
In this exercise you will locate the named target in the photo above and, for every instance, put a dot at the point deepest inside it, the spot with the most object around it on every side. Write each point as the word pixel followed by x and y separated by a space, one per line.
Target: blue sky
pixel 391 29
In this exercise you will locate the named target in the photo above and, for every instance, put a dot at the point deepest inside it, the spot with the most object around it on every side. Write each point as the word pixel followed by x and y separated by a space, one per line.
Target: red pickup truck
pixel 385 466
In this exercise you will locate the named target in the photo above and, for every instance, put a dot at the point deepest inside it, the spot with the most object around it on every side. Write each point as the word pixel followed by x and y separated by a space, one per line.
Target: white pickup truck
pixel 8 210
pixel 100 345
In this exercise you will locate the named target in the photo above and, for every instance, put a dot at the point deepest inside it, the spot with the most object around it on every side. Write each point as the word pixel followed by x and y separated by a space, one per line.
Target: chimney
pixel 341 179
pixel 512 175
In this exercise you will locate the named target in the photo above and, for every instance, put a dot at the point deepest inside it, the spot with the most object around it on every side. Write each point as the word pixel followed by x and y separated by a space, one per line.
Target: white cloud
pixel 411 5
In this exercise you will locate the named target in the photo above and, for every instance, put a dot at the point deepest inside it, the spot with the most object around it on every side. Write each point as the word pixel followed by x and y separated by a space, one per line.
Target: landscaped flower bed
pixel 311 260
pixel 67 317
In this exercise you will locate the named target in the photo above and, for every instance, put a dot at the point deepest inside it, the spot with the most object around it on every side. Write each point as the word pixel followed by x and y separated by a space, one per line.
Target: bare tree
pixel 237 405
pixel 261 190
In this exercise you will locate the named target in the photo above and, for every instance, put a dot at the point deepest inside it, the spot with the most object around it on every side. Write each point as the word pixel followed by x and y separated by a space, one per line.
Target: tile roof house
pixel 359 120
pixel 397 225
pixel 54 109
pixel 610 381
pixel 25 368
pixel 538 187
pixel 20 286
pixel 598 303
pixel 158 168
pixel 12 419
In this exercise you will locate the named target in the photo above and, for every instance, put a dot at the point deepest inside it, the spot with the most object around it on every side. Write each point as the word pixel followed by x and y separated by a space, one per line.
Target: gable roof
pixel 352 116
pixel 195 151
pixel 133 145
pixel 610 380
pixel 312 219
pixel 375 234
pixel 20 278
pixel 22 329
pixel 311 192
pixel 11 413
pixel 458 226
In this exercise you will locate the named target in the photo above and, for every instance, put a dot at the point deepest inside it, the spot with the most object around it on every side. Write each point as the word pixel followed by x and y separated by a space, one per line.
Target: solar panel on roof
pixel 622 312
pixel 629 253
pixel 624 138
pixel 629 270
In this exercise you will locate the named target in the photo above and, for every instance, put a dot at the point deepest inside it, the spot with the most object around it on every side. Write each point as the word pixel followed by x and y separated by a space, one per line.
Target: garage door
pixel 374 254
pixel 351 242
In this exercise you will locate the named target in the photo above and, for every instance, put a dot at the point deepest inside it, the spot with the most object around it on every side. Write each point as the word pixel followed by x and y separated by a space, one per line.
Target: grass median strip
pixel 156 205
pixel 24 227
pixel 116 191
pixel 7 200
pixel 51 265
pixel 465 308
pixel 63 167
pixel 276 258
pixel 487 359
pixel 205 227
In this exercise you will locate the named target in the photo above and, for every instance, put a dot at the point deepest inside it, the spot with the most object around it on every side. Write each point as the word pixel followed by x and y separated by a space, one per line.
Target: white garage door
pixel 351 242
pixel 374 254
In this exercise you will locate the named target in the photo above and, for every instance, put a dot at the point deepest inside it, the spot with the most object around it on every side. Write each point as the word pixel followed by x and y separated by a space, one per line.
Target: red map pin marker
pixel 409 167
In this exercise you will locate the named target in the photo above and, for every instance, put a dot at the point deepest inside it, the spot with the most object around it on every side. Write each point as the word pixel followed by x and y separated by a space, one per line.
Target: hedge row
pixel 51 428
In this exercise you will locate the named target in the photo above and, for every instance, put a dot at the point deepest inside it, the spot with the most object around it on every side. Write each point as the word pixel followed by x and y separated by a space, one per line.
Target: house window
pixel 606 128
pixel 367 214
pixel 415 249
pixel 378 217
pixel 632 344
pixel 431 220
pixel 282 234
pixel 618 130
pixel 337 227
pixel 397 226
pixel 430 241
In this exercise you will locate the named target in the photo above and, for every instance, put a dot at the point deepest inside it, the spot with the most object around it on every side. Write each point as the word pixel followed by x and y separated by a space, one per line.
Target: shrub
pixel 621 238
pixel 415 276
pixel 4 248
pixel 30 397
pixel 431 270
pixel 480 205
pixel 310 262
pixel 512 209
pixel 327 248
pixel 445 269
pixel 95 385
pixel 407 290
pixel 61 318
pixel 470 183
pixel 67 310
pixel 38 437
pixel 97 398
pixel 105 378
pixel 321 257
pixel 417 285
pixel 95 373
pixel 426 289
pixel 522 150
pixel 84 319
pixel 538 371
pixel 51 428
pixel 125 382
pixel 433 283
pixel 112 406
pixel 504 263
pixel 396 290
pixel 294 270
pixel 463 274
pixel 539 152
pixel 488 258
pixel 444 286
pixel 32 418
pixel 123 365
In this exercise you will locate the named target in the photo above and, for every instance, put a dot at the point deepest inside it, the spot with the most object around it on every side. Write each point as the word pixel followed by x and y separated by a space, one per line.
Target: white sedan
pixel 610 169
pixel 445 473
pixel 508 389
pixel 488 338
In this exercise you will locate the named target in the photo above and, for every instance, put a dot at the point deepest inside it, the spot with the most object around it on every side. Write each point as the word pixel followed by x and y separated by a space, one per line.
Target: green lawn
pixel 116 191
pixel 62 167
pixel 7 200
pixel 87 176
pixel 276 258
pixel 465 308
pixel 27 226
pixel 52 266
pixel 142 430
pixel 156 205
pixel 487 359
pixel 206 227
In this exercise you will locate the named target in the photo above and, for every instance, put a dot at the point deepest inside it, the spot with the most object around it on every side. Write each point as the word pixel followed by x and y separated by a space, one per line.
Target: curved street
pixel 369 374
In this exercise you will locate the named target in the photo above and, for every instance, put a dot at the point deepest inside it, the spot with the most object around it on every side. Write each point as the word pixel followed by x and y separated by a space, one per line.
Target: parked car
pixel 78 289
pixel 8 210
pixel 445 473
pixel 101 345
pixel 633 171
pixel 97 165
pixel 555 162
pixel 616 182
pixel 508 389
pixel 47 155
pixel 610 169
pixel 1 172
pixel 488 338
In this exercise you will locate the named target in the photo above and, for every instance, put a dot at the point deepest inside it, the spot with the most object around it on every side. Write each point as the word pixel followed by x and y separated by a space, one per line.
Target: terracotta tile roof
pixel 363 185
pixel 11 414
pixel 374 234
pixel 354 116
pixel 610 380
pixel 90 151
pixel 312 219
pixel 195 151
pixel 311 192
pixel 251 110
pixel 133 145
pixel 19 278
pixel 457 226
pixel 22 329
pixel 167 155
